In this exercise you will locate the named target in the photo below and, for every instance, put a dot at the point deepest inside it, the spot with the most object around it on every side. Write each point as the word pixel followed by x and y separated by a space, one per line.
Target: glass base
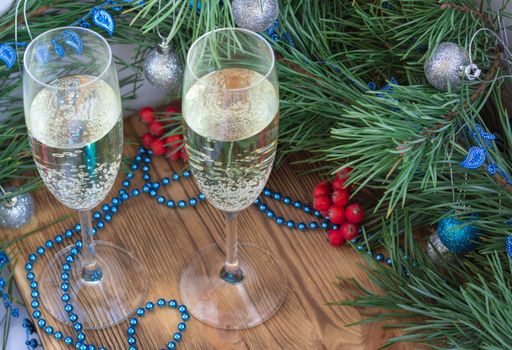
pixel 233 305
pixel 121 290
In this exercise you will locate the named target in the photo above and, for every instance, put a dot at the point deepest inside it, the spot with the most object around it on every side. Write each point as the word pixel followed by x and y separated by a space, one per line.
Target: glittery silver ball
pixel 255 15
pixel 162 67
pixel 446 66
pixel 16 211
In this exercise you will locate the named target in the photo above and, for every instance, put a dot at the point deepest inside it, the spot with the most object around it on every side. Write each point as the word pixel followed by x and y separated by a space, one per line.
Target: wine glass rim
pixel 96 78
pixel 242 30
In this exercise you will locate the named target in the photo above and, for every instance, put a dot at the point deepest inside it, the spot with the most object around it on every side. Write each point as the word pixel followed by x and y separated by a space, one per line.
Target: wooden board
pixel 165 239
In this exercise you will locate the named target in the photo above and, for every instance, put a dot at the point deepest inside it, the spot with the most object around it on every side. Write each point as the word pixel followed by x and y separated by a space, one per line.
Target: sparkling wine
pixel 76 134
pixel 231 137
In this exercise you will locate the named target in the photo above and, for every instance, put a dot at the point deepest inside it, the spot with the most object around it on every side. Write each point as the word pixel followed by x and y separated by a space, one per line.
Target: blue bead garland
pixel 107 214
pixel 150 306
pixel 109 210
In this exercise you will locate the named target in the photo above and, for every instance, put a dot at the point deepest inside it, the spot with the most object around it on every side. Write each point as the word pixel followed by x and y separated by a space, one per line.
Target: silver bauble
pixel 255 15
pixel 162 67
pixel 446 66
pixel 16 211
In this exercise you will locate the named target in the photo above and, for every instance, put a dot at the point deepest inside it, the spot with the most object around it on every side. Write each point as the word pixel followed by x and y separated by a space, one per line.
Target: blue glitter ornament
pixel 474 159
pixel 42 53
pixel 508 245
pixel 456 236
pixel 104 20
pixel 59 50
pixel 73 40
pixel 7 55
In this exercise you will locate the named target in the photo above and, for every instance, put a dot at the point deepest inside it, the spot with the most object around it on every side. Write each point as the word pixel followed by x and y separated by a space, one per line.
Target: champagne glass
pixel 74 119
pixel 231 113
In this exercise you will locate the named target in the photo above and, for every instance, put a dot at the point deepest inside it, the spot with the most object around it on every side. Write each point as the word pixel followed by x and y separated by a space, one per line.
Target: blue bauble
pixel 457 238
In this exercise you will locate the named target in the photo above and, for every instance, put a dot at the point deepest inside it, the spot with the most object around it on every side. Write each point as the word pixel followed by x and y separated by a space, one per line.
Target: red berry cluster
pixel 170 146
pixel 332 200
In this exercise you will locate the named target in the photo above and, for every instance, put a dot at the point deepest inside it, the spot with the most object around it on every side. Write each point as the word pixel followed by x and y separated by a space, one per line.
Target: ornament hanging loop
pixel 472 71
pixel 9 202
pixel 163 47
pixel 163 39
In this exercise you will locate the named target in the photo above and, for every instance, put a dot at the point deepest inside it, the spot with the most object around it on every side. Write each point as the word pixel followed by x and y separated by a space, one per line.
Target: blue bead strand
pixel 152 188
pixel 150 306
pixel 107 215
pixel 302 226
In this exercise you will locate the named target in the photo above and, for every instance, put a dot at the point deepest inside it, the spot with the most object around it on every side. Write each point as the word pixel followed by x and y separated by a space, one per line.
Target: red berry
pixel 156 128
pixel 344 173
pixel 339 184
pixel 147 114
pixel 158 147
pixel 337 214
pixel 174 141
pixel 183 154
pixel 349 230
pixel 173 154
pixel 340 198
pixel 335 238
pixel 323 188
pixel 322 203
pixel 355 213
pixel 172 110
pixel 147 140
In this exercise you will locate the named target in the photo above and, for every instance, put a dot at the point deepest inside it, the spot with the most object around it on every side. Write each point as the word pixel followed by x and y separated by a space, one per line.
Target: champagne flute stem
pixel 231 271
pixel 91 272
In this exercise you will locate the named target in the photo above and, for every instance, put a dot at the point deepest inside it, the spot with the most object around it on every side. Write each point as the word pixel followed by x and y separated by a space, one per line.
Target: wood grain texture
pixel 165 239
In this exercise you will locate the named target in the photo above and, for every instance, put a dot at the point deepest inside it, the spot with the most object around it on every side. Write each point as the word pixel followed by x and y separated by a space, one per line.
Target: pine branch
pixel 467 308
pixel 406 143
